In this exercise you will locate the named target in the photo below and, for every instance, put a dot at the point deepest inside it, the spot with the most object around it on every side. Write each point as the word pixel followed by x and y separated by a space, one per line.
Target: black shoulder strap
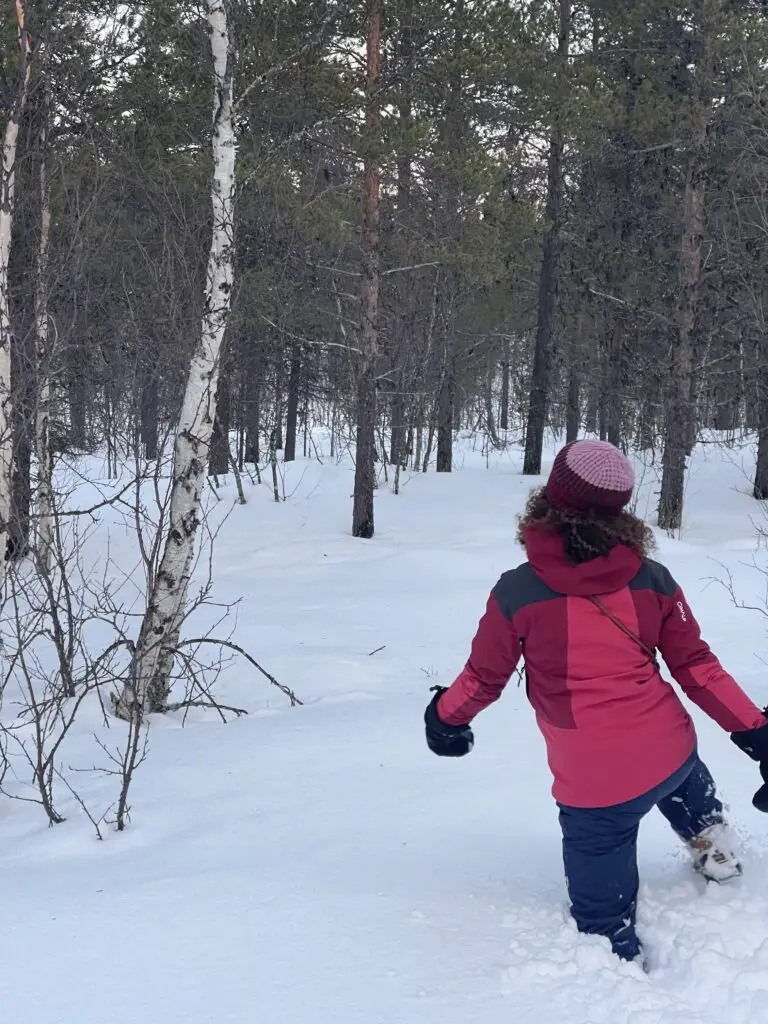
pixel 648 651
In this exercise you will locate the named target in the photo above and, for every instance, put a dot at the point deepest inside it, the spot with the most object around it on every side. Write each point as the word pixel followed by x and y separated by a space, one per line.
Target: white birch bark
pixel 44 487
pixel 7 199
pixel 149 681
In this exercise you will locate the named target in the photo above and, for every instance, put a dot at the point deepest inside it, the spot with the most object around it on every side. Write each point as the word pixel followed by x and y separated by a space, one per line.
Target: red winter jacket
pixel 614 728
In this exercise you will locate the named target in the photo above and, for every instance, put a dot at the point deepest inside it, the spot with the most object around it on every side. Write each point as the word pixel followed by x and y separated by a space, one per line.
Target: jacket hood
pixel 603 575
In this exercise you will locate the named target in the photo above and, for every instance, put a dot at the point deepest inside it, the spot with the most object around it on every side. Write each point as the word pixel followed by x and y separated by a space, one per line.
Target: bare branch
pixel 239 650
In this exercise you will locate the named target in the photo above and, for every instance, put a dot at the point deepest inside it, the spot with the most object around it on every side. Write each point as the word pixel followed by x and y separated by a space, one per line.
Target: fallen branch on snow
pixel 239 650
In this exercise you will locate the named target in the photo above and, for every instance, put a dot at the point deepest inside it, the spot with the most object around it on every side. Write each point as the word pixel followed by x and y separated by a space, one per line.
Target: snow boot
pixel 713 856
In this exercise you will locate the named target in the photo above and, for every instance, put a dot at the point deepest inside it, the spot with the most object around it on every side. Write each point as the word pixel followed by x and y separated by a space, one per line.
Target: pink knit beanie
pixel 590 475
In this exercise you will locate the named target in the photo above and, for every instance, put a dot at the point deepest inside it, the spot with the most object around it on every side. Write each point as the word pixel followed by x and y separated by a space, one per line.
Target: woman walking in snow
pixel 588 611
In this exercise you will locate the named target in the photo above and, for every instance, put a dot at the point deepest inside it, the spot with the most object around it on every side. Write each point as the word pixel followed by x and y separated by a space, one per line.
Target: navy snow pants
pixel 600 850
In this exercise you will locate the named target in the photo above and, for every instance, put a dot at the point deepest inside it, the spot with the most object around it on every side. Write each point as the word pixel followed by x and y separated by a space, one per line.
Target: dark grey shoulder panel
pixel 520 587
pixel 654 576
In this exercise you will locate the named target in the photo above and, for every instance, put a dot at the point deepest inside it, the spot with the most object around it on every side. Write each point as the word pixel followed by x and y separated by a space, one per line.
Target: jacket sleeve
pixel 495 653
pixel 698 671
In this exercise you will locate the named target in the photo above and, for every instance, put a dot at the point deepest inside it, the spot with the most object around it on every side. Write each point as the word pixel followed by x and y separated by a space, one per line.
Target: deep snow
pixel 318 864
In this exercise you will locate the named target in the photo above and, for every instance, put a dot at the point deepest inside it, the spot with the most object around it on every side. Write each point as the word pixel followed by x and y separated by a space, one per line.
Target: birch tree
pixel 44 488
pixel 148 684
pixel 7 202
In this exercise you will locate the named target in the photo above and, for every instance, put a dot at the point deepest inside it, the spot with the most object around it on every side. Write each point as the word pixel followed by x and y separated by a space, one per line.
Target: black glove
pixel 442 739
pixel 760 799
pixel 754 743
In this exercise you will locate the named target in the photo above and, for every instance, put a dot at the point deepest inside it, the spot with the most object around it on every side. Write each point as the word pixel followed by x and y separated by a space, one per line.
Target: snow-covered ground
pixel 317 865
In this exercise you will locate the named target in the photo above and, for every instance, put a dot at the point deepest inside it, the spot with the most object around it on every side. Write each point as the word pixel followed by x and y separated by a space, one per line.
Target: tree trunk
pixel 445 414
pixel 751 385
pixel 761 392
pixel 458 406
pixel 292 411
pixel 549 271
pixel 592 412
pixel 728 391
pixel 504 411
pixel 7 204
pixel 603 418
pixel 78 401
pixel 408 297
pixel 573 412
pixel 362 513
pixel 278 439
pixel 761 470
pixel 646 431
pixel 430 442
pixel 490 419
pixel 23 426
pixel 252 424
pixel 149 398
pixel 679 414
pixel 149 681
pixel 305 421
pixel 240 444
pixel 44 455
pixel 398 427
pixel 110 430
pixel 615 383
pixel 220 454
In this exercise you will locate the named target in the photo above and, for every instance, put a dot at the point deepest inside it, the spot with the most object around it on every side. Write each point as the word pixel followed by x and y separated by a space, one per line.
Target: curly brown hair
pixel 589 535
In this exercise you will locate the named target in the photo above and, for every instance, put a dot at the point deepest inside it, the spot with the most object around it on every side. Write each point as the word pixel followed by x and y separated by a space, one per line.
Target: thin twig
pixel 83 805
pixel 239 650
pixel 413 266
pixel 214 705
pixel 282 65
pixel 634 309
